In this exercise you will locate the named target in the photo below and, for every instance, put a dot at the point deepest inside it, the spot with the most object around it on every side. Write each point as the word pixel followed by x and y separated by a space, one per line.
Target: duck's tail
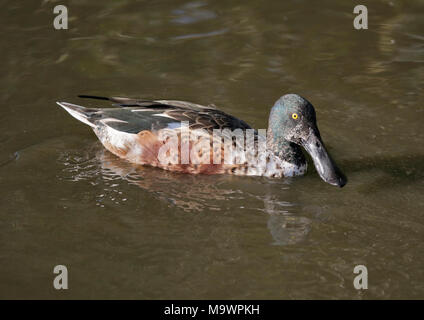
pixel 83 114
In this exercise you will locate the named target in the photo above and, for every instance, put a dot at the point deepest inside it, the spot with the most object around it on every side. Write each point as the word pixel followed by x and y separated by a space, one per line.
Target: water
pixel 131 232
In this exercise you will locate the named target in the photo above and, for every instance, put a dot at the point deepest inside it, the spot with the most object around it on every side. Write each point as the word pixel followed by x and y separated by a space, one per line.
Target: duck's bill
pixel 327 169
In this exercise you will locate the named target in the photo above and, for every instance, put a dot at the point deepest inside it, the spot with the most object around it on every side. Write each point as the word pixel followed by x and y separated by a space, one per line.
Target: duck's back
pixel 140 130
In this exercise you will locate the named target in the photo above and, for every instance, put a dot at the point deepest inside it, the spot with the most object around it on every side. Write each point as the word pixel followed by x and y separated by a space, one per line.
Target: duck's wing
pixel 130 102
pixel 134 116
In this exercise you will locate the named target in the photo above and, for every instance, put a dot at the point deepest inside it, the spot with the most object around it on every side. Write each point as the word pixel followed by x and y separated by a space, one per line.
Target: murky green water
pixel 128 232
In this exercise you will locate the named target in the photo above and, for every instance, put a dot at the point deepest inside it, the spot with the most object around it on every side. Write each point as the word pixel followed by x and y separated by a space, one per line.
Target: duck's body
pixel 158 132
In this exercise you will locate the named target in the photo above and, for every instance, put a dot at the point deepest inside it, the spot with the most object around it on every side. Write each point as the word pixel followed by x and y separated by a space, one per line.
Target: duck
pixel 181 136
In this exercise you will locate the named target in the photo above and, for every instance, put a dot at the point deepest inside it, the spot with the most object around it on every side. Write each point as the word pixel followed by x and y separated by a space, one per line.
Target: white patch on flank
pixel 135 152
pixel 118 139
pixel 77 115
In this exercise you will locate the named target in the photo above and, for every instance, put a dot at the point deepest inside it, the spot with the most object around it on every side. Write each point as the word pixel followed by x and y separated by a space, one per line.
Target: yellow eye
pixel 295 116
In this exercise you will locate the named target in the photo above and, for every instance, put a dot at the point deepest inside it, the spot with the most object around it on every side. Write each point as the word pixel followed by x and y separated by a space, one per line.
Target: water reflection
pixel 284 226
pixel 288 229
pixel 189 193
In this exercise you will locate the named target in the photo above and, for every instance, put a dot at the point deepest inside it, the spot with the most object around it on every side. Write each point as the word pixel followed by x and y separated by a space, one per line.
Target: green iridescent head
pixel 293 120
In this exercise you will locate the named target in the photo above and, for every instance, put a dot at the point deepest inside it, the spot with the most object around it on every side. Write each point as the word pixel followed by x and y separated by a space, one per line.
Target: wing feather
pixel 135 115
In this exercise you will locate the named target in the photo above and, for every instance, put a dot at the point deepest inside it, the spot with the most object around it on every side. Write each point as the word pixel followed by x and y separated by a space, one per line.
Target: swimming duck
pixel 134 131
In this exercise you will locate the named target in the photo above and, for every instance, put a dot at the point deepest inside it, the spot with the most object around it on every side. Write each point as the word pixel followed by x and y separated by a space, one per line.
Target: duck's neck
pixel 285 150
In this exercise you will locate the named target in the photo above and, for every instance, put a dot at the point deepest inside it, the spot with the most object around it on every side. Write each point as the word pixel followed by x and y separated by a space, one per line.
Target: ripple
pixel 190 13
pixel 200 35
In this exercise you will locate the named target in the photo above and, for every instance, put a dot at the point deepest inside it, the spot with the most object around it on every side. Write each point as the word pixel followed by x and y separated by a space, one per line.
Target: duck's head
pixel 292 120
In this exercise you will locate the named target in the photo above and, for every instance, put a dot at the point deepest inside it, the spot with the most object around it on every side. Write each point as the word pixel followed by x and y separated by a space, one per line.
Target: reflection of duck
pixel 284 226
pixel 288 229
pixel 136 132
pixel 167 186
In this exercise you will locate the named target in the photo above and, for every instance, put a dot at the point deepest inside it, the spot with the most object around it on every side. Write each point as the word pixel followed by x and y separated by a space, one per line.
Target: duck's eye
pixel 295 116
